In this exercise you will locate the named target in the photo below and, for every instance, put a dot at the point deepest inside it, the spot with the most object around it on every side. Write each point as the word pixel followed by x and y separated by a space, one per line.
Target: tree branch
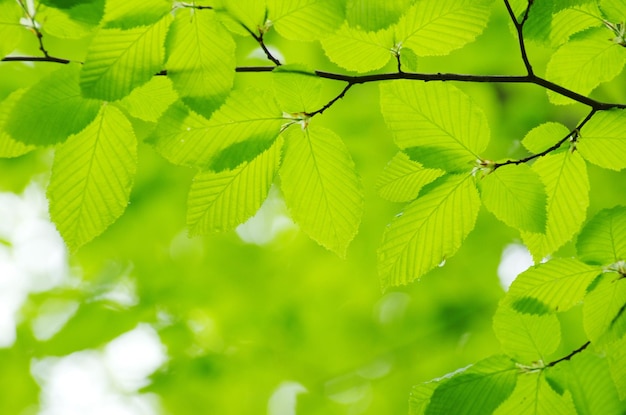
pixel 35 59
pixel 332 101
pixel 34 27
pixel 569 356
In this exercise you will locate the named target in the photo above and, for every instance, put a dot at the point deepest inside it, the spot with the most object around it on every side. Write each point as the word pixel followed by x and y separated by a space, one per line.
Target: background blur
pixel 145 320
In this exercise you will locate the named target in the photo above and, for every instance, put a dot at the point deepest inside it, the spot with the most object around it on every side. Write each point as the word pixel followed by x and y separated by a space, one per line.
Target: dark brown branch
pixel 569 356
pixel 193 6
pixel 35 59
pixel 34 28
pixel 261 42
pixel 519 27
pixel 573 135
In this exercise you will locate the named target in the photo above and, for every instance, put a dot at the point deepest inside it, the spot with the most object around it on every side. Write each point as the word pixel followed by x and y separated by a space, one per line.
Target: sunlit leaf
pixel 533 395
pixel 567 186
pixel 478 390
pixel 201 59
pixel 76 22
pixel 603 239
pixel 602 140
pixel 584 63
pixel 526 338
pixel 420 397
pixel 403 178
pixel 441 125
pixel 247 123
pixel 119 60
pixel 305 19
pixel 570 21
pixel 242 16
pixel 616 357
pixel 516 196
pixel 10 28
pixel 437 27
pixel 321 187
pixel 357 50
pixel 603 307
pixel 123 14
pixel 9 147
pixel 149 101
pixel 92 176
pixel 613 9
pixel 544 136
pixel 559 284
pixel 221 201
pixel 40 117
pixel 431 229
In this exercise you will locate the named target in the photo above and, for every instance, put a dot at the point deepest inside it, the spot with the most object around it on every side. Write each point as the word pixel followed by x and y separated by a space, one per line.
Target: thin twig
pixel 34 27
pixel 569 356
pixel 332 101
pixel 35 59
pixel 519 27
pixel 571 135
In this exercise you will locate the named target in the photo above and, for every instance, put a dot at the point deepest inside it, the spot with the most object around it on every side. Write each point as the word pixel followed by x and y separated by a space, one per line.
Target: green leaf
pixel 616 357
pixel 588 378
pixel 602 140
pixel 248 122
pixel 584 63
pixel 560 283
pixel 221 201
pixel 119 60
pixel 430 230
pixel 71 23
pixel 9 147
pixel 437 27
pixel 296 88
pixel 10 28
pixel 242 16
pixel 41 118
pixel 544 136
pixel 603 308
pixel 478 390
pixel 516 196
pixel 403 178
pixel 570 21
pixel 567 186
pixel 201 59
pixel 408 60
pixel 533 395
pixel 123 14
pixel 446 129
pixel 603 239
pixel 526 338
pixel 149 101
pixel 613 9
pixel 420 397
pixel 305 19
pixel 92 176
pixel 539 23
pixel 372 15
pixel 321 187
pixel 357 50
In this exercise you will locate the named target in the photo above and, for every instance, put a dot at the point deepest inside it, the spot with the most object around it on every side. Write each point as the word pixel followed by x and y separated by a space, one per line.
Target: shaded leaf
pixel 603 239
pixel 221 201
pixel 603 308
pixel 431 229
pixel 533 395
pixel 616 357
pixel 297 88
pixel 92 176
pixel 573 20
pixel 372 15
pixel 249 119
pixel 305 19
pixel 440 123
pixel 10 28
pixel 516 196
pixel 200 59
pixel 9 147
pixel 124 14
pixel 149 101
pixel 478 390
pixel 41 118
pixel 403 178
pixel 321 187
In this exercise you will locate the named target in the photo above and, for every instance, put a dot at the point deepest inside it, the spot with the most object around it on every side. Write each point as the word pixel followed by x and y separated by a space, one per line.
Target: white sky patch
pixel 270 221
pixel 515 260
pixel 284 398
pixel 103 382
pixel 33 257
